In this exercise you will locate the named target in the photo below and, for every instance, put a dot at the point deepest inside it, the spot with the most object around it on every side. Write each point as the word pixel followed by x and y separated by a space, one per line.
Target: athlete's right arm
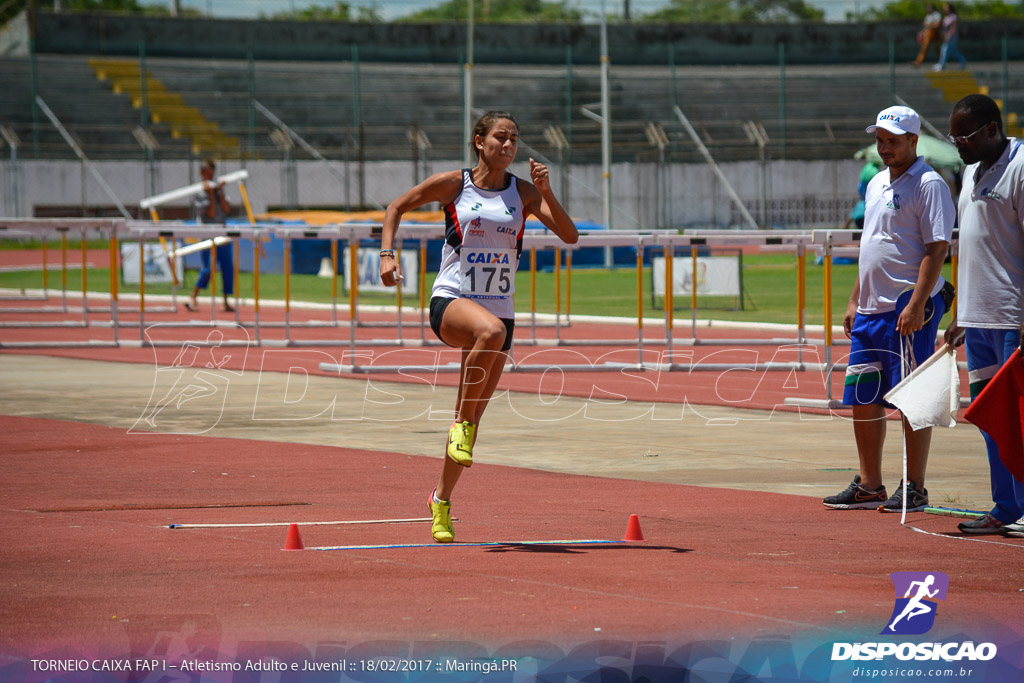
pixel 440 187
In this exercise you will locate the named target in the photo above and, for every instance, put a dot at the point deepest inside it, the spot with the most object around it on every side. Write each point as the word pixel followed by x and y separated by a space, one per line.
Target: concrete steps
pixel 166 107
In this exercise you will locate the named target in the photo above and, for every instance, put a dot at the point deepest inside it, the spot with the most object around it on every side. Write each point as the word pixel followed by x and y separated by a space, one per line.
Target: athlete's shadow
pixel 570 549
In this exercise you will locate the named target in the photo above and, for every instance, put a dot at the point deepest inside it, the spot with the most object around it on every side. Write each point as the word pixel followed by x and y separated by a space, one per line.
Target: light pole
pixel 467 103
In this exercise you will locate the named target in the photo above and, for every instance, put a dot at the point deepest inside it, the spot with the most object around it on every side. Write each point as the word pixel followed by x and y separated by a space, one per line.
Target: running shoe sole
pixel 871 505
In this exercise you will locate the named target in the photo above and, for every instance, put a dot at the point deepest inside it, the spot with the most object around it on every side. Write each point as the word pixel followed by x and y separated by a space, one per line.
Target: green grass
pixel 74 244
pixel 769 283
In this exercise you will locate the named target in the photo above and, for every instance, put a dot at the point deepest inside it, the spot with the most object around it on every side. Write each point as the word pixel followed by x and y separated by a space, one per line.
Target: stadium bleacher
pixel 330 104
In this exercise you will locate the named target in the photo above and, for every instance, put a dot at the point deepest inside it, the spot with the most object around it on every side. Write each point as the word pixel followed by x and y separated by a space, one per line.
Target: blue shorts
pixel 874 364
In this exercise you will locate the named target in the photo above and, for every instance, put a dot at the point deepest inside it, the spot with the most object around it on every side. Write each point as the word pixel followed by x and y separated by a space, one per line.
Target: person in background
pixel 950 38
pixel 211 207
pixel 929 34
pixel 856 216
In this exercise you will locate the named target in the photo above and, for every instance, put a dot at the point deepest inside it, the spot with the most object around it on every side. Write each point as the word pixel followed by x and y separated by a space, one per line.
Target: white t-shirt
pixel 991 275
pixel 483 241
pixel 900 218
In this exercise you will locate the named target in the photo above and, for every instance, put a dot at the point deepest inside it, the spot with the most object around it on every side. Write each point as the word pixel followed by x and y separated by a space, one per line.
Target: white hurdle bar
pixel 189 190
pixel 354 369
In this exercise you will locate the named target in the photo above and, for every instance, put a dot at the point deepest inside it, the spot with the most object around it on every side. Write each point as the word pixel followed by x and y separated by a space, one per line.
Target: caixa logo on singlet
pixel 487 257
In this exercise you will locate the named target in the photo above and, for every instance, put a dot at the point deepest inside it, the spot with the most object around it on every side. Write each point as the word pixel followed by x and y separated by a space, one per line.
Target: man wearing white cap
pixel 894 310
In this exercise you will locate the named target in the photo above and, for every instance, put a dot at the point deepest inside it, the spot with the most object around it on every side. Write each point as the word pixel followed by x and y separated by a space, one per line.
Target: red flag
pixel 999 410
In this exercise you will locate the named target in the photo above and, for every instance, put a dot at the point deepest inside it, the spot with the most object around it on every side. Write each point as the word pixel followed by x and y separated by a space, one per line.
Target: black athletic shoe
pixel 917 499
pixel 856 497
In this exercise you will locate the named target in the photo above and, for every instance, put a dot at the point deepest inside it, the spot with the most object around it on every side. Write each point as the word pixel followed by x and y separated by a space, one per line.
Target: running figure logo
pixel 914 612
pixel 189 396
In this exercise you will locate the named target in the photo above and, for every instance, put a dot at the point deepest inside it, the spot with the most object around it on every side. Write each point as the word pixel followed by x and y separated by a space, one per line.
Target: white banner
pixel 716 275
pixel 157 267
pixel 369 271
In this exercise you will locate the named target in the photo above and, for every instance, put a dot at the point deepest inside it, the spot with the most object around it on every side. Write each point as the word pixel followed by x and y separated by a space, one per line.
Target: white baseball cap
pixel 897 120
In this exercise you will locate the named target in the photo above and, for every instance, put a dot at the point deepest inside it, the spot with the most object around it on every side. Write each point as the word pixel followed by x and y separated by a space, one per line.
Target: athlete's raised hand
pixel 539 176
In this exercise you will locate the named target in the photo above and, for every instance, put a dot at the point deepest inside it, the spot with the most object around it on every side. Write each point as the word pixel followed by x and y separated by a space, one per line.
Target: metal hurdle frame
pixel 14 232
pixel 531 242
pixel 827 242
pixel 353 234
pixel 793 240
pixel 46 228
pixel 790 240
pixel 143 230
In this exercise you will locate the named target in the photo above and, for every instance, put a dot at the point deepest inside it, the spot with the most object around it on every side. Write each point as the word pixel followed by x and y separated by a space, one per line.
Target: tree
pixel 916 9
pixel 500 12
pixel 341 11
pixel 123 6
pixel 748 11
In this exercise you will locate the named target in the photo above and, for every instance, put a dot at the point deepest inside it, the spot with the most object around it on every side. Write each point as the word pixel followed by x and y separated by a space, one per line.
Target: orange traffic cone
pixel 294 541
pixel 633 532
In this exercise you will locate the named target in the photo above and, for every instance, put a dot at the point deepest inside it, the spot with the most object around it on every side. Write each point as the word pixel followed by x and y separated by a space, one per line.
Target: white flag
pixel 930 395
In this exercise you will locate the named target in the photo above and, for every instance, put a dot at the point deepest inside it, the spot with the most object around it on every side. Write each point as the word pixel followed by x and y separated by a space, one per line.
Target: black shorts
pixel 438 304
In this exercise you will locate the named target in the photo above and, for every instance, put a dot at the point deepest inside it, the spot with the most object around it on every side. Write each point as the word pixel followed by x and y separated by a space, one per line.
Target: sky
pixel 835 10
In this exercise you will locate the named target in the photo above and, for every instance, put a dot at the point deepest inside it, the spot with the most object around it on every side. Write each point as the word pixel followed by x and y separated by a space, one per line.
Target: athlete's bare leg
pixel 481 336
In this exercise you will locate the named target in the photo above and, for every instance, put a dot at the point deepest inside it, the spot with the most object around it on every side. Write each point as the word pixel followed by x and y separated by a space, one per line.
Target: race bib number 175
pixel 487 273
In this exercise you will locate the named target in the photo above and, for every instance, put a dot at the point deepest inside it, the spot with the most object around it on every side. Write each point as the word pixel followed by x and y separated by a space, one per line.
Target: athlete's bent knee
pixel 492 335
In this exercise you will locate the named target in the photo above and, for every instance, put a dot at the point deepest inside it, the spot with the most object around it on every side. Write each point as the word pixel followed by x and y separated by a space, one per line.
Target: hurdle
pixel 14 232
pixel 46 228
pixel 351 235
pixel 587 239
pixel 211 237
pixel 335 233
pixel 792 240
pixel 827 242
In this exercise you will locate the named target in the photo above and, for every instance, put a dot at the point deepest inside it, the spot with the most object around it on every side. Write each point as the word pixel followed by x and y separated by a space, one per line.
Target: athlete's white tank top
pixel 483 241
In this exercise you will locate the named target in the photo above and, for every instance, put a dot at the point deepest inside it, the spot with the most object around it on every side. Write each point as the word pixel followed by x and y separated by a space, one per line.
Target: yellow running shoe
pixel 460 443
pixel 442 529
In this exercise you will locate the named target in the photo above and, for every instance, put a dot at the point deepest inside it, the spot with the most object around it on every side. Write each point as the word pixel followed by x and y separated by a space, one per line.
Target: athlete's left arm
pixel 540 200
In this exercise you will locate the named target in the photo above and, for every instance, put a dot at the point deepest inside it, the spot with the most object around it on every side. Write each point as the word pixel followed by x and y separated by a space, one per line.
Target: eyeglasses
pixel 962 139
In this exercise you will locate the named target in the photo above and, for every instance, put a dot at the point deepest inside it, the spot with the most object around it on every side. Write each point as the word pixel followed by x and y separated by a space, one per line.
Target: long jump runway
pixel 87 511
pixel 742 571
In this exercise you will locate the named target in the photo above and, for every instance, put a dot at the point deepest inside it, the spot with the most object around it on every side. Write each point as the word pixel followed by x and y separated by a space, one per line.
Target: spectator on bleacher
pixel 950 38
pixel 211 207
pixel 471 306
pixel 990 305
pixel 908 223
pixel 929 34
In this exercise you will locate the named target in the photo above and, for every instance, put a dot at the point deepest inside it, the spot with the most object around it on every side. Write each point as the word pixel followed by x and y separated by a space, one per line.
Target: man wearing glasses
pixel 990 306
